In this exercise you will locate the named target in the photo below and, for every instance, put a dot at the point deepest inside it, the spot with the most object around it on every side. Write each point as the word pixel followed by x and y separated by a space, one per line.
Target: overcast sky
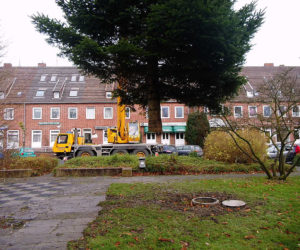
pixel 277 41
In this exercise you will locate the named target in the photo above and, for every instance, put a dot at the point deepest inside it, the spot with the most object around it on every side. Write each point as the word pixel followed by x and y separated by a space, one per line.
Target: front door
pixel 165 138
pixel 36 139
pixel 179 139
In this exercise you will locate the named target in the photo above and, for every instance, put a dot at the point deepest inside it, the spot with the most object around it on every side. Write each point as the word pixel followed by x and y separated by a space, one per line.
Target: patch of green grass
pixel 163 164
pixel 135 216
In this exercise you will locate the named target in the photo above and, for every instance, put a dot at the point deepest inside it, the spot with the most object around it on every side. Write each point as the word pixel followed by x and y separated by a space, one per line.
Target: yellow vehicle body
pixel 65 141
pixel 123 133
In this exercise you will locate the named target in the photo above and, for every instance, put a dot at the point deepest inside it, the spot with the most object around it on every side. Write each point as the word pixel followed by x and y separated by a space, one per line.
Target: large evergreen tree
pixel 188 50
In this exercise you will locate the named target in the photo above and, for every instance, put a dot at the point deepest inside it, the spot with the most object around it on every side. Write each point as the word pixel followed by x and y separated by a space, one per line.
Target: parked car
pixel 291 155
pixel 169 149
pixel 187 149
pixel 24 152
pixel 272 150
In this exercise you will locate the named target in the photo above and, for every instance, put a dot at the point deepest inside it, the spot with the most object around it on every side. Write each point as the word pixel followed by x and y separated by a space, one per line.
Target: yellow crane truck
pixel 123 139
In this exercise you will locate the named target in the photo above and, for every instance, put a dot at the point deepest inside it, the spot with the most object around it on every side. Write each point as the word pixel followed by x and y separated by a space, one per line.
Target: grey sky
pixel 277 40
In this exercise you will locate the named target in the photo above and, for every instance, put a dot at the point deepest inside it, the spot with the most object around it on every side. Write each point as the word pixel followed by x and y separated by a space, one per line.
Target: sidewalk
pixel 56 210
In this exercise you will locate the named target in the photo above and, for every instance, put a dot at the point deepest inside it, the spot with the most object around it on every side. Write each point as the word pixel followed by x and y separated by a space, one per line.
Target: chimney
pixel 269 65
pixel 42 65
pixel 7 65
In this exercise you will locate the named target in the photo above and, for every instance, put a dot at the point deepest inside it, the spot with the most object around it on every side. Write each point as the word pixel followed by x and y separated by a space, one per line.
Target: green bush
pixel 40 165
pixel 220 146
pixel 103 161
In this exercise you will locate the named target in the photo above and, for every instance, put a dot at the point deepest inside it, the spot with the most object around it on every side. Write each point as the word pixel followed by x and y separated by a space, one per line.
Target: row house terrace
pixel 37 103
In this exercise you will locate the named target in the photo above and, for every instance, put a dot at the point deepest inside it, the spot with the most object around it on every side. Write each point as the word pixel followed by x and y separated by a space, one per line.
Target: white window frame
pixel 105 115
pixel 161 111
pixel 53 78
pixel 285 110
pixel 105 139
pixel 150 138
pixel 250 113
pixel 270 131
pixel 51 114
pixel 73 93
pixel 108 95
pixel 56 95
pixel 81 78
pixel 87 131
pixel 41 134
pixel 69 112
pixel 266 106
pixel 90 116
pixel 40 93
pixel 9 111
pixel 7 142
pixel 296 114
pixel 53 132
pixel 235 114
pixel 74 78
pixel 37 108
pixel 43 78
pixel 127 113
pixel 179 107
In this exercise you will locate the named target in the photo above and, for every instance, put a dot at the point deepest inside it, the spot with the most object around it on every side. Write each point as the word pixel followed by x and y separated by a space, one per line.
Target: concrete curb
pixel 81 172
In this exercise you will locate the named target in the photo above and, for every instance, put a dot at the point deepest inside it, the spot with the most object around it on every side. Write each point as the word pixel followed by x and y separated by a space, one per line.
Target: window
pixel 72 113
pixel 87 135
pixel 267 111
pixel 206 110
pixel 127 113
pixel 296 111
pixel 90 113
pixel 108 113
pixel 73 92
pixel 81 78
pixel 53 136
pixel 73 78
pixel 1 95
pixel 12 138
pixel 55 113
pixel 179 112
pixel 19 93
pixel 282 111
pixel 165 112
pixel 43 78
pixel 108 95
pixel 40 93
pixel 56 94
pixel 252 111
pixel 53 78
pixel 249 94
pixel 238 111
pixel 36 113
pixel 36 139
pixel 8 114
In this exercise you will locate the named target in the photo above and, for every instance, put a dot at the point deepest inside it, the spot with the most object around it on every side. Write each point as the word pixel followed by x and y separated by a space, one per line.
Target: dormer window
pixel 249 94
pixel 40 93
pixel 81 78
pixel 53 78
pixel 1 95
pixel 73 93
pixel 19 93
pixel 108 95
pixel 55 94
pixel 43 78
pixel 73 78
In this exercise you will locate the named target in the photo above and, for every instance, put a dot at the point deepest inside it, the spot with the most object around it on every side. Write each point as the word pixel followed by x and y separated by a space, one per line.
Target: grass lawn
pixel 161 216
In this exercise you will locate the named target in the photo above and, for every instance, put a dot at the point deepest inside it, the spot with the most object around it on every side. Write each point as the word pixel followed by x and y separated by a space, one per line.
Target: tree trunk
pixel 154 117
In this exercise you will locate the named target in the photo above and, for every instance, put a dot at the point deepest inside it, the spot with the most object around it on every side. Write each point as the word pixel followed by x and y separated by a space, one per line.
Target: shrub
pixel 197 128
pixel 103 161
pixel 41 164
pixel 220 146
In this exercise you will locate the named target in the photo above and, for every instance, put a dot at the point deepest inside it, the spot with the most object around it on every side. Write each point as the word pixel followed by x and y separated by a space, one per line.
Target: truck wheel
pixel 120 152
pixel 140 152
pixel 85 153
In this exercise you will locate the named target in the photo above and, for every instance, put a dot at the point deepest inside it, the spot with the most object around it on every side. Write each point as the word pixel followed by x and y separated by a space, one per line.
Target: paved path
pixel 56 210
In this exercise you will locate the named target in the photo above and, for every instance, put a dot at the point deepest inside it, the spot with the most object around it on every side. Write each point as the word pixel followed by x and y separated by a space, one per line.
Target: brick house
pixel 39 102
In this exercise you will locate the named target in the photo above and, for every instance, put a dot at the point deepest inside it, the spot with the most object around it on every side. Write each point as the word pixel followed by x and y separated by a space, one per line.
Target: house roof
pixel 21 84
